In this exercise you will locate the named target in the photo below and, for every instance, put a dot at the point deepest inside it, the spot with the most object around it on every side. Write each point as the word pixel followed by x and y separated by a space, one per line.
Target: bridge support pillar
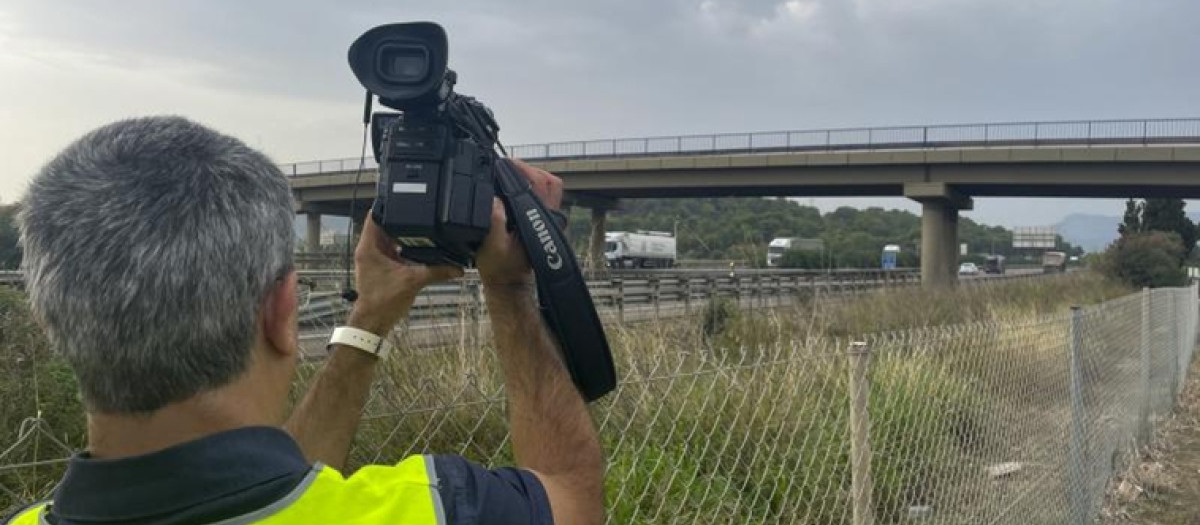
pixel 595 256
pixel 940 205
pixel 600 205
pixel 312 232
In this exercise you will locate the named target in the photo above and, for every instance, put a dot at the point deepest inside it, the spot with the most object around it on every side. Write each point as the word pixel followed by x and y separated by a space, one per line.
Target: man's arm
pixel 552 432
pixel 325 421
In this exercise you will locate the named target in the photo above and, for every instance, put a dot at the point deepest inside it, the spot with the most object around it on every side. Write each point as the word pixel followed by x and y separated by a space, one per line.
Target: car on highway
pixel 968 268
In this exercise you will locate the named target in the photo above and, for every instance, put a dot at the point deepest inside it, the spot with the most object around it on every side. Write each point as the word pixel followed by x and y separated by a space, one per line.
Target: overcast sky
pixel 274 72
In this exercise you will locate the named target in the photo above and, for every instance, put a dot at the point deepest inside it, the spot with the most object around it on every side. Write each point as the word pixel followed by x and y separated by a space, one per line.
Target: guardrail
pixel 1060 133
pixel 615 292
pixel 337 259
pixel 623 292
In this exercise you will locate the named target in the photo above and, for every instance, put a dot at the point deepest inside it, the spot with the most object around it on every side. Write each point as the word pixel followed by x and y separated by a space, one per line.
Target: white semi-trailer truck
pixel 780 245
pixel 639 249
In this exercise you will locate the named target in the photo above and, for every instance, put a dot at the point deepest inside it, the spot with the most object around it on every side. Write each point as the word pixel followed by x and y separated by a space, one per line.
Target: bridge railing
pixel 1050 133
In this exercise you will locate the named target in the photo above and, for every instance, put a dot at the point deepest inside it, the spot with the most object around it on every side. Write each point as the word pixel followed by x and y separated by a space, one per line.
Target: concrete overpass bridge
pixel 943 167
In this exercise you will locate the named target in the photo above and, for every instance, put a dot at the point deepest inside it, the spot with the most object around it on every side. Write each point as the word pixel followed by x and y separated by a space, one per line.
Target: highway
pixel 454 314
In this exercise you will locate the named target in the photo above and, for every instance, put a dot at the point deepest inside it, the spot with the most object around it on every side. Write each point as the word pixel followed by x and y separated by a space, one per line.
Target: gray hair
pixel 150 245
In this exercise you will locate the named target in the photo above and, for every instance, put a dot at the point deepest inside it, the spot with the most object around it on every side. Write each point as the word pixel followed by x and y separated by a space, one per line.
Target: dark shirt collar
pixel 177 478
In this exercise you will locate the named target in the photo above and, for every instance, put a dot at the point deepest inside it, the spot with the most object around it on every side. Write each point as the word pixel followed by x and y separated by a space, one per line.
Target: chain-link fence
pixel 31 464
pixel 1018 421
pixel 984 423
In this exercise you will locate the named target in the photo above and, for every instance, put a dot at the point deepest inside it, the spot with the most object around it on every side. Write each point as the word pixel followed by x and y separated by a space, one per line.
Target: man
pixel 158 258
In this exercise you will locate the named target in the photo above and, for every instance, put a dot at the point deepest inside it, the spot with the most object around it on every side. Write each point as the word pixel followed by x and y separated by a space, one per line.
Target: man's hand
pixel 501 259
pixel 387 286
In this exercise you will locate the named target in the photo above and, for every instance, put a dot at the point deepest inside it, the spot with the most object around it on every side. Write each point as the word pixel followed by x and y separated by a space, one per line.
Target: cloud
pixel 274 71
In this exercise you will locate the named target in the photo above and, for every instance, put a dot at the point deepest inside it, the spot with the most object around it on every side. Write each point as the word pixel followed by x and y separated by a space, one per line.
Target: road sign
pixel 1035 237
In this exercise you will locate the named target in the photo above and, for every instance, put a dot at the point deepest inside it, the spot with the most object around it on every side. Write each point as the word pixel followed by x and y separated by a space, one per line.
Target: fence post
pixel 1181 341
pixel 1193 305
pixel 1076 460
pixel 1173 326
pixel 860 435
pixel 1147 373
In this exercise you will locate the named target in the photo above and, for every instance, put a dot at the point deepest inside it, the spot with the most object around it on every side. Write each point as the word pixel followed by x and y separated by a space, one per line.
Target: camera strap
pixel 563 296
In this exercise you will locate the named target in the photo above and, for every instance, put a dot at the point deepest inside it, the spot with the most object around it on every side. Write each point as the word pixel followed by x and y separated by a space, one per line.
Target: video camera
pixel 439 170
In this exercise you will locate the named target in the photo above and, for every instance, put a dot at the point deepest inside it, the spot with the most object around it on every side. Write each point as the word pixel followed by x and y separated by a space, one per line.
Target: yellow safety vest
pixel 405 494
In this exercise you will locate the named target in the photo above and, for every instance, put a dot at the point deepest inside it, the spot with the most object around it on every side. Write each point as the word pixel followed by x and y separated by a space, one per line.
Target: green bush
pixel 718 314
pixel 10 249
pixel 1149 259
pixel 33 382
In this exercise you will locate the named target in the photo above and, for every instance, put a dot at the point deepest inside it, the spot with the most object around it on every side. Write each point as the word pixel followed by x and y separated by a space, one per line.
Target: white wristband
pixel 362 340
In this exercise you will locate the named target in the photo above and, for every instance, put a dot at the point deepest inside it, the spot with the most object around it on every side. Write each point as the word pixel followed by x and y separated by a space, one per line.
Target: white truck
pixel 779 245
pixel 1054 262
pixel 639 249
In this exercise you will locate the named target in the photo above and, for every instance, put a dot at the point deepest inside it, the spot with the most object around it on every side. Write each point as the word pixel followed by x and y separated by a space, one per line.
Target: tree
pixel 10 249
pixel 1133 218
pixel 1149 259
pixel 1167 215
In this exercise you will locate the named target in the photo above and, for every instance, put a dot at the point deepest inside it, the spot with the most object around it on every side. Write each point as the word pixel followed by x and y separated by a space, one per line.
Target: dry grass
pixel 747 424
pixel 1161 481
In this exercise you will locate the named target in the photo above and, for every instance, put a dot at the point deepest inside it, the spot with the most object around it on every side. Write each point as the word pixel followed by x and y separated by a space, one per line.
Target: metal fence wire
pixel 1018 422
pixel 983 423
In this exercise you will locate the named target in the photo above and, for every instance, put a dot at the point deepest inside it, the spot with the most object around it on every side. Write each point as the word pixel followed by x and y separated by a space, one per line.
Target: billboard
pixel 1035 237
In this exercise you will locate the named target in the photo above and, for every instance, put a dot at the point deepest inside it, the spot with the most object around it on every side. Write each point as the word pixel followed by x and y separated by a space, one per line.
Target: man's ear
pixel 279 313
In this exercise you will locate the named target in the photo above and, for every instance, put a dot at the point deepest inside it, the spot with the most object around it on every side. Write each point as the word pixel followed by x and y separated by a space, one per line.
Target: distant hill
pixel 1095 232
pixel 1091 232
